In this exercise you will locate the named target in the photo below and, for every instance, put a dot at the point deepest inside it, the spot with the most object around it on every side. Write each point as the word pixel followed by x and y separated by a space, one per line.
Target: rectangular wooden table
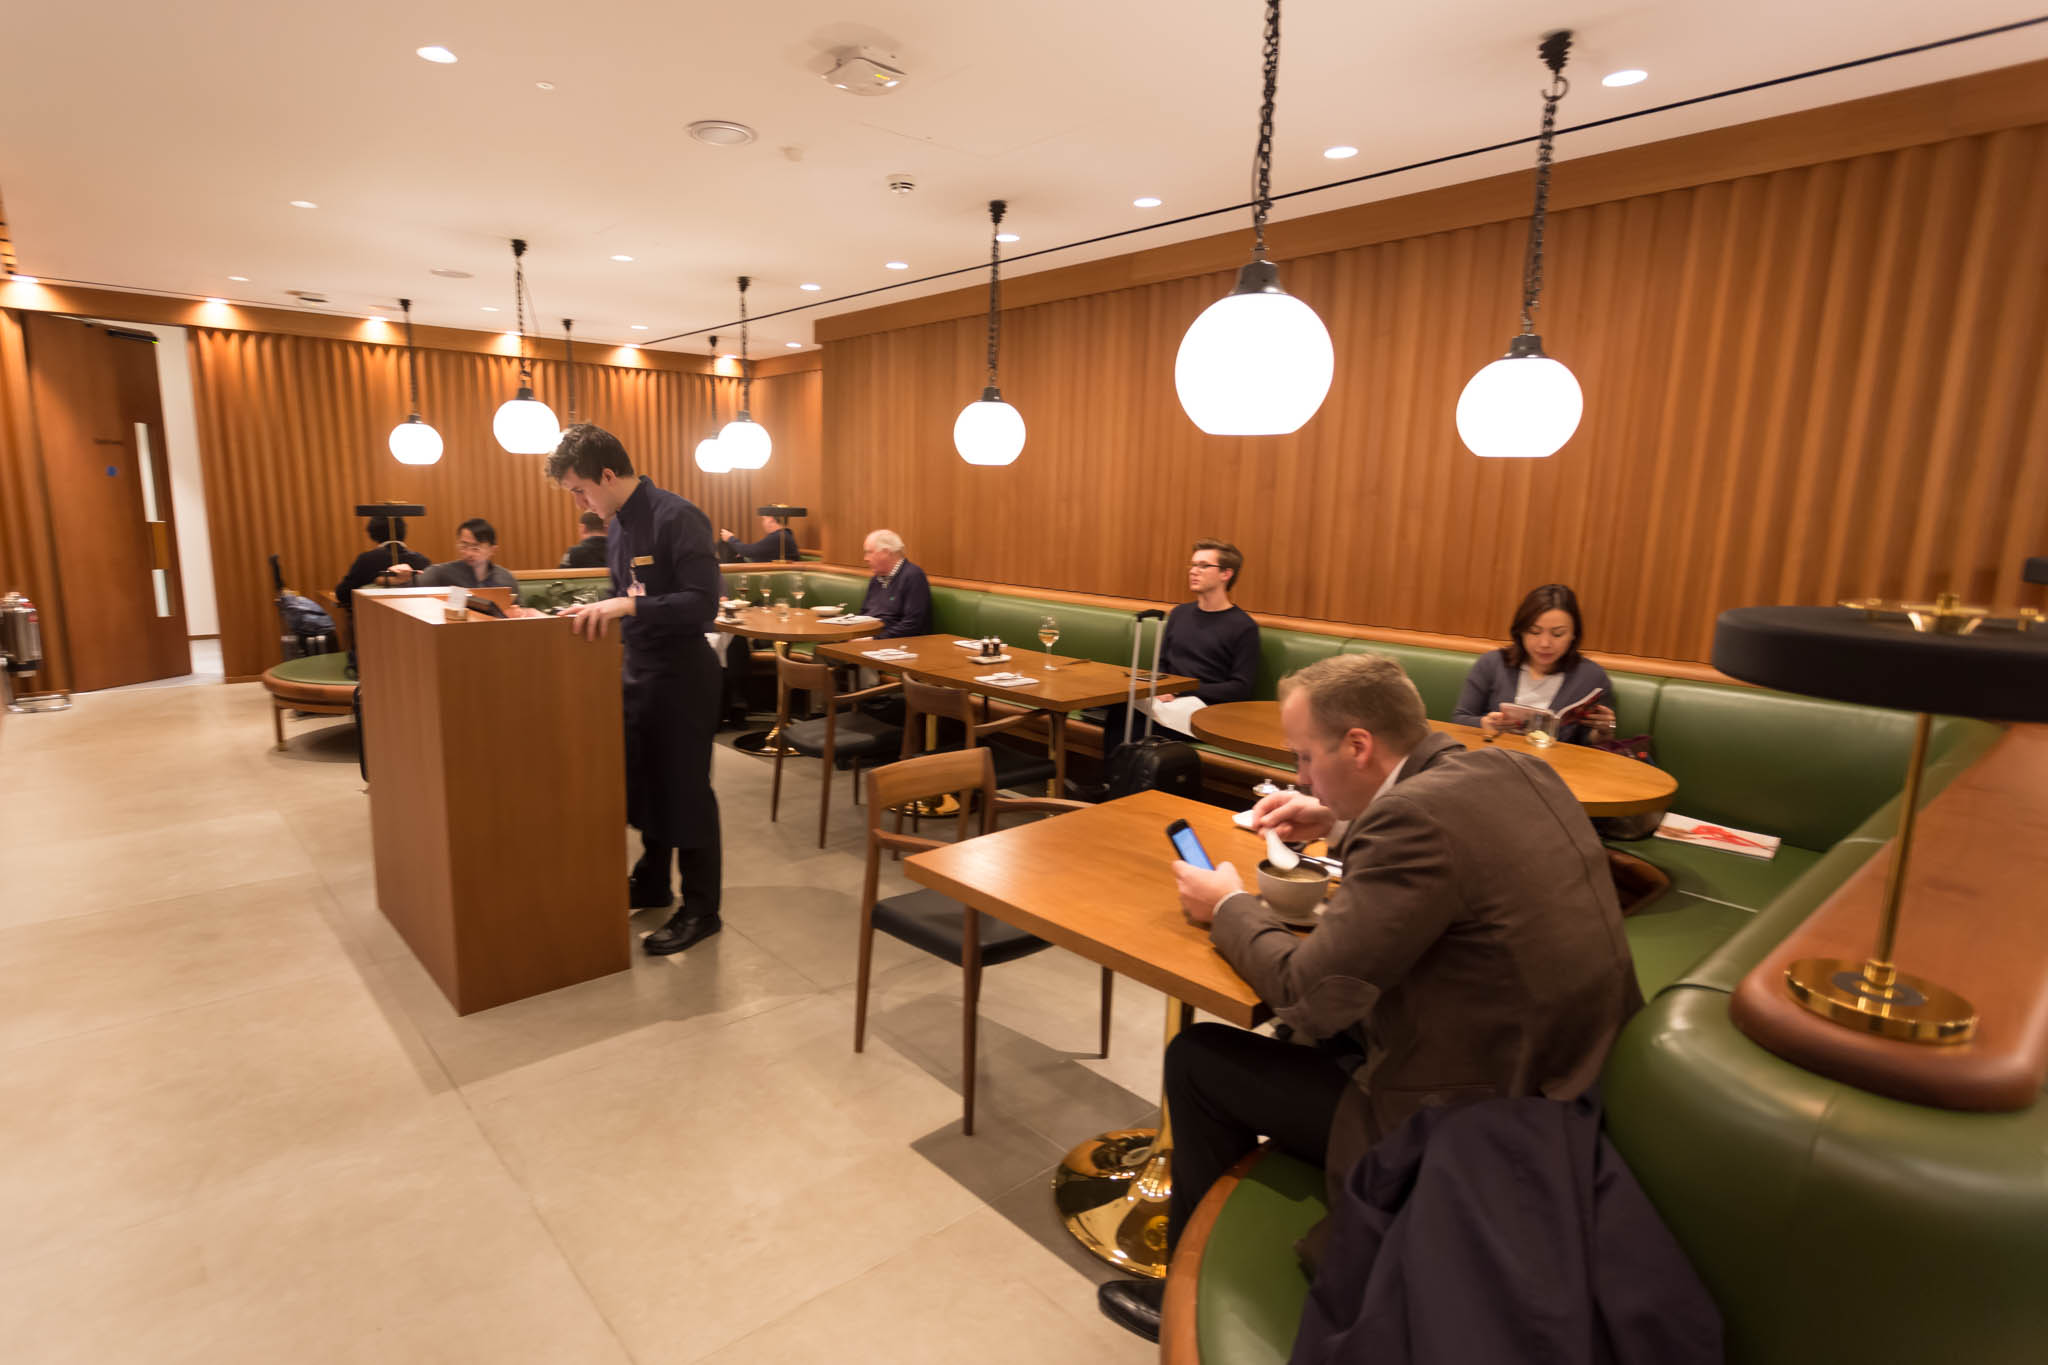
pixel 1099 882
pixel 1074 685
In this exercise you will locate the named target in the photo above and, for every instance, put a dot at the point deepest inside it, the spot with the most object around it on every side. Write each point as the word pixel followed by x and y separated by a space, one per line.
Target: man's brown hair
pixel 1228 556
pixel 1361 692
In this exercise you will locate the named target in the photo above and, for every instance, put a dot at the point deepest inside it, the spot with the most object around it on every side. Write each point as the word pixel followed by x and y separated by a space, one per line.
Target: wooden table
pixel 1073 685
pixel 801 626
pixel 1604 783
pixel 1098 882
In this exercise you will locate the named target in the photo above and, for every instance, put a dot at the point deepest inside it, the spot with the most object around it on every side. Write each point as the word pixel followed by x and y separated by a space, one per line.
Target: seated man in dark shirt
pixel 476 546
pixel 372 564
pixel 589 552
pixel 778 543
pixel 899 595
pixel 1209 639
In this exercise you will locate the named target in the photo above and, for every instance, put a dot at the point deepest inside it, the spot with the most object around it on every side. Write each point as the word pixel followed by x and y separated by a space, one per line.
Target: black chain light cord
pixel 1262 160
pixel 412 360
pixel 1556 46
pixel 746 368
pixel 996 209
pixel 519 305
pixel 569 340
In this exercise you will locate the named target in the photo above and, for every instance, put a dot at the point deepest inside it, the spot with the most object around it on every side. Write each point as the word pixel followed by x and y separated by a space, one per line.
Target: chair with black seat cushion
pixel 934 922
pixel 926 704
pixel 855 736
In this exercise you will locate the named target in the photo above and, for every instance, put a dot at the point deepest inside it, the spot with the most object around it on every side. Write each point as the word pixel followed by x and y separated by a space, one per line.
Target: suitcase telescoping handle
pixel 1137 643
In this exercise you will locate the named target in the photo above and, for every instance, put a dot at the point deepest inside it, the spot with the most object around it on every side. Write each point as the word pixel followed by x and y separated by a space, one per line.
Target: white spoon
pixel 1279 854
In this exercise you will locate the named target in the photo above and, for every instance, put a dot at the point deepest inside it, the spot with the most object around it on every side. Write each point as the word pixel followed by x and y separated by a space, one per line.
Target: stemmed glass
pixel 1048 636
pixel 796 594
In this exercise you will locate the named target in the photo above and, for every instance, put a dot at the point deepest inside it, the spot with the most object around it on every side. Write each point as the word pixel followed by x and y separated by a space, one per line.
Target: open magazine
pixel 1517 718
pixel 1684 829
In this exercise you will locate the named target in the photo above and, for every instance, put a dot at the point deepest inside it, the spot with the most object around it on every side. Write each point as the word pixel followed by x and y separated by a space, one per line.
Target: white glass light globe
pixel 526 426
pixel 1254 364
pixel 745 443
pixel 1520 407
pixel 414 442
pixel 988 431
pixel 710 458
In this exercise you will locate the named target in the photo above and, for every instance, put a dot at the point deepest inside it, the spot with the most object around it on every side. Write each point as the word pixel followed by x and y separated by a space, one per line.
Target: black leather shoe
pixel 1132 1304
pixel 682 930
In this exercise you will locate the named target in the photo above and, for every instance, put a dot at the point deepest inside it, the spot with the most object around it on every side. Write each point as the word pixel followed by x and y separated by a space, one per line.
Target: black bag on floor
pixel 1152 762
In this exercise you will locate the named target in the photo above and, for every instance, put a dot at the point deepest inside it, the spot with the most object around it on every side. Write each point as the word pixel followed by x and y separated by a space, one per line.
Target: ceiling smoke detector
pixel 901 182
pixel 719 132
pixel 861 71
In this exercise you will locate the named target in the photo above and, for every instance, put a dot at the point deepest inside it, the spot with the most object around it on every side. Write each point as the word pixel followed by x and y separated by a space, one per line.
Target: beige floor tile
pixel 95 971
pixel 112 1128
pixel 977 1291
pixel 110 869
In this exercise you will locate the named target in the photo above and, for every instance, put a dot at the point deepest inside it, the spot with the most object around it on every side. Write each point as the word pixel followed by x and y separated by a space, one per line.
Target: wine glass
pixel 796 594
pixel 1048 636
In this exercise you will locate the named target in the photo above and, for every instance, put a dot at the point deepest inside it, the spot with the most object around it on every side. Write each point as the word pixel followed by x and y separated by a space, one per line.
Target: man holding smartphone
pixel 1473 947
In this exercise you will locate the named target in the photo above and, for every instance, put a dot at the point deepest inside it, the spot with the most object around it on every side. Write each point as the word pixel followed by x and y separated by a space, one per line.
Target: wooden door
pixel 100 421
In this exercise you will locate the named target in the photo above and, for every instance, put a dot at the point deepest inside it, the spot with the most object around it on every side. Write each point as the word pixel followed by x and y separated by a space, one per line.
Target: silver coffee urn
pixel 21 657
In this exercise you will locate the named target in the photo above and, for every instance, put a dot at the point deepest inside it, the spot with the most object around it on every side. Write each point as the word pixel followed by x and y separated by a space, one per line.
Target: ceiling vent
pixel 306 296
pixel 720 132
pixel 862 71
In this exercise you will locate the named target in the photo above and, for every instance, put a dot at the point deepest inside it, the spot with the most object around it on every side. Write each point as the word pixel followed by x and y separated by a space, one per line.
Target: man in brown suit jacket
pixel 1473 947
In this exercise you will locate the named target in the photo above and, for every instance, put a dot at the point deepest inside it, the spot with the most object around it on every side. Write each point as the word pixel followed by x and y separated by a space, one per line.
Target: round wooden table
pixel 1604 783
pixel 800 626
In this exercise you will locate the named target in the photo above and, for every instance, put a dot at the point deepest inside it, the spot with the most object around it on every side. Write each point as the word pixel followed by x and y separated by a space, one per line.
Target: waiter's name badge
pixel 643 561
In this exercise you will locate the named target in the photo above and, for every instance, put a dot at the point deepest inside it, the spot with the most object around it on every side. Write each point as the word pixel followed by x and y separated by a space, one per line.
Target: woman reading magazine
pixel 1540 672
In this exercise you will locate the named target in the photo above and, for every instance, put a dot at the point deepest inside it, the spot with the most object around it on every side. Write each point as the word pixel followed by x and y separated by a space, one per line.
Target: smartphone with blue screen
pixel 1188 845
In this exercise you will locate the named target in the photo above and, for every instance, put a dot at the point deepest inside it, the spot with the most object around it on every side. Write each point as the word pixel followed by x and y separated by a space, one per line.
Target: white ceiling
pixel 156 146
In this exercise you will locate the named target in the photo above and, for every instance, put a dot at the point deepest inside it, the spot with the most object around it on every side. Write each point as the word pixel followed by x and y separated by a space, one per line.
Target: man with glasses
pixel 474 565
pixel 1210 639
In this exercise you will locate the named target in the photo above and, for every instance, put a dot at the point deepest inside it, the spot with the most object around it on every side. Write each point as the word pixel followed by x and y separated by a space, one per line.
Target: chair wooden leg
pixel 856 784
pixel 860 984
pixel 277 720
pixel 775 787
pixel 1108 989
pixel 970 1017
pixel 824 793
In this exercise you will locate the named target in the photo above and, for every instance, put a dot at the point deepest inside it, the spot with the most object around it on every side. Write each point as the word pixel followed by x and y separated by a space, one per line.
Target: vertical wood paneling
pixel 1813 383
pixel 26 563
pixel 293 429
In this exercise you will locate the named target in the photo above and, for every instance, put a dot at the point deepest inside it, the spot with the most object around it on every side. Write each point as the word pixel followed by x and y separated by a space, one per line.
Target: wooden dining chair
pixel 925 704
pixel 855 736
pixel 935 922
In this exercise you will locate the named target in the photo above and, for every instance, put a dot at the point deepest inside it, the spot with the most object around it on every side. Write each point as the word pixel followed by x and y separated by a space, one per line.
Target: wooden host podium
pixel 497 796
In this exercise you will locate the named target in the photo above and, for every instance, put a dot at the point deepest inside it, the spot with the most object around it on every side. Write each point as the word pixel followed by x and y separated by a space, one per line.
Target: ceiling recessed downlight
pixel 436 53
pixel 22 279
pixel 220 301
pixel 239 279
pixel 810 288
pixel 304 204
pixel 896 265
pixel 488 309
pixel 622 258
pixel 1145 202
pixel 1632 76
pixel 639 326
pixel 1006 236
pixel 1340 152
pixel 718 132
pixel 794 345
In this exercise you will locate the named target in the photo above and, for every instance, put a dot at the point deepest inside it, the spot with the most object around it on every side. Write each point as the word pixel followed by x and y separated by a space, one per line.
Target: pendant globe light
pixel 989 431
pixel 743 441
pixel 413 441
pixel 524 425
pixel 1257 362
pixel 709 457
pixel 1526 405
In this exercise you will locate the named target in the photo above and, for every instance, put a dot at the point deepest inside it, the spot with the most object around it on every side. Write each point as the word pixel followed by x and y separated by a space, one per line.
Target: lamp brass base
pixel 1876 997
pixel 1112 1192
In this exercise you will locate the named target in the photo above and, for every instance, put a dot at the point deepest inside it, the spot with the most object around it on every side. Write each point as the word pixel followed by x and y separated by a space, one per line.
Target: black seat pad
pixel 931 921
pixel 858 736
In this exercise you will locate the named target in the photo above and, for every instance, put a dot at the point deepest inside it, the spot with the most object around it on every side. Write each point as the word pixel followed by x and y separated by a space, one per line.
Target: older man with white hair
pixel 899 595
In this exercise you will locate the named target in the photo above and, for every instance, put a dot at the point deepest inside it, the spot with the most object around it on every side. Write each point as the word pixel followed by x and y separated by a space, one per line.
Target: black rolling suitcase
pixel 1152 762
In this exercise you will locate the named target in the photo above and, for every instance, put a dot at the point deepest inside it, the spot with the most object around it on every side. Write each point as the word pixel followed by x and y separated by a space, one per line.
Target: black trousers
pixel 1227 1087
pixel 701 871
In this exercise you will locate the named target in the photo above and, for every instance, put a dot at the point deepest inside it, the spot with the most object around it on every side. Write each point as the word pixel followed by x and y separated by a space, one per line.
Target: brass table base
pixel 764 743
pixel 1111 1192
pixel 1875 997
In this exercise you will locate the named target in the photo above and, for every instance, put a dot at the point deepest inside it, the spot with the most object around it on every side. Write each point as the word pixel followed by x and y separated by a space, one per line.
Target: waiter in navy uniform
pixel 665 586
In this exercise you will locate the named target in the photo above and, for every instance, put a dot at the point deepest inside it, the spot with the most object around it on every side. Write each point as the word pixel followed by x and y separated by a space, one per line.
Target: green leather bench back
pixel 1288 651
pixel 1086 632
pixel 1829 765
pixel 1438 674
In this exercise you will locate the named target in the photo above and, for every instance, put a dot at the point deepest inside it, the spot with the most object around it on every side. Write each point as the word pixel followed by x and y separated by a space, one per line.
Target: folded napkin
pixel 888 654
pixel 856 620
pixel 1006 679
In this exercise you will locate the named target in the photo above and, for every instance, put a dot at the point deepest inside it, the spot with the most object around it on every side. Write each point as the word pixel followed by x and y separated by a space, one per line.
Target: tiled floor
pixel 239 1122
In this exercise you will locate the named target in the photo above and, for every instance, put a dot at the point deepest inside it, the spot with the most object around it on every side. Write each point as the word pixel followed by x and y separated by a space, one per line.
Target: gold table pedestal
pixel 1112 1190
